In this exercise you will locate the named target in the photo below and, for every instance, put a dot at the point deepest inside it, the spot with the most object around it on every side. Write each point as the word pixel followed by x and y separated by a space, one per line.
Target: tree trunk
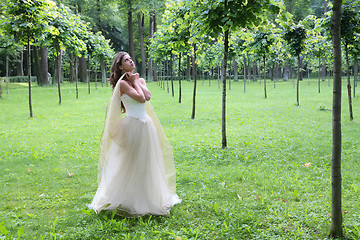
pixel 264 58
pixel 188 68
pixel 103 72
pixel 44 65
pixel 323 72
pixel 319 76
pixel 130 30
pixel 179 77
pixel 76 76
pixel 336 229
pixel 7 73
pixel 19 64
pixel 286 71
pixel 140 17
pixel 59 60
pixel 152 30
pixel 223 112
pixel 356 72
pixel 95 73
pixel 89 76
pixel 298 81
pixel 37 65
pixel 236 77
pixel 194 78
pixel 171 75
pixel 245 67
pixel 348 81
pixel 29 76
pixel 83 73
pixel 72 67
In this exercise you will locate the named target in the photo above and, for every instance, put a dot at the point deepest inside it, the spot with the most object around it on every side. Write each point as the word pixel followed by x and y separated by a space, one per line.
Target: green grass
pixel 257 188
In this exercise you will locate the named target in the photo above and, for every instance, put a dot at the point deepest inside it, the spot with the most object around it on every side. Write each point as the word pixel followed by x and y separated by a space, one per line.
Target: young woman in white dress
pixel 136 172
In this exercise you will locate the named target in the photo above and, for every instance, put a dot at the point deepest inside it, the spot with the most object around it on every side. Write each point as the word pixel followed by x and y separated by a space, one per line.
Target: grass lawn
pixel 272 182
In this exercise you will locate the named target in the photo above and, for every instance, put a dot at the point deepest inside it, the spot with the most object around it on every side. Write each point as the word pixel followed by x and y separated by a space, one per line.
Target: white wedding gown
pixel 136 167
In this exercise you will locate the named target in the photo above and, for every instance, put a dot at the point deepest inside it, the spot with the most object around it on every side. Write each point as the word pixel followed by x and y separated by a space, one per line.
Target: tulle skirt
pixel 134 178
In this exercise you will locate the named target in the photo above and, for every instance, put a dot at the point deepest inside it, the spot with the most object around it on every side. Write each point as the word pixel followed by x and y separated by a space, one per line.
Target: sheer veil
pixel 112 134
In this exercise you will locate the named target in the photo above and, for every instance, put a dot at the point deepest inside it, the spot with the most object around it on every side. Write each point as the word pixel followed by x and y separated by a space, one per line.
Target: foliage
pixel 350 22
pixel 28 19
pixel 69 30
pixel 295 36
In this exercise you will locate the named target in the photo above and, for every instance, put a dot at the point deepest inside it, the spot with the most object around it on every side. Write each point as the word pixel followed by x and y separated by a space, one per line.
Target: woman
pixel 136 170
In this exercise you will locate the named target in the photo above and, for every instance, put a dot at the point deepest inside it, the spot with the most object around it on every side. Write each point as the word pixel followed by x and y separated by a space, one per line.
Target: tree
pixel 27 20
pixel 68 32
pixel 350 26
pixel 261 45
pixel 295 36
pixel 336 229
pixel 218 18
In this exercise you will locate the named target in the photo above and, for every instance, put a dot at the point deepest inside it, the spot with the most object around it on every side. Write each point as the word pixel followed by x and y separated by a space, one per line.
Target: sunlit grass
pixel 257 188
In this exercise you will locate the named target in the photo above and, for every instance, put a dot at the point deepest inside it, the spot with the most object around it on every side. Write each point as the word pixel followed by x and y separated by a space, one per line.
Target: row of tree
pixel 46 25
pixel 276 44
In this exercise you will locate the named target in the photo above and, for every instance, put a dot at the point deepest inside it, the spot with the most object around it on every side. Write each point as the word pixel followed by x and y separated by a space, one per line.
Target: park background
pixel 266 174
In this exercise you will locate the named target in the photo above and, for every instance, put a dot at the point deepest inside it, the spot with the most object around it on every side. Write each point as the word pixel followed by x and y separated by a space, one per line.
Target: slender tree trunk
pixel 72 67
pixel 103 72
pixel 37 65
pixel 286 71
pixel 298 81
pixel 336 229
pixel 356 72
pixel 76 76
pixel 59 60
pixel 223 112
pixel 171 75
pixel 89 76
pixel 19 64
pixel 130 30
pixel 179 77
pixel 152 30
pixel 95 73
pixel 194 77
pixel 188 68
pixel 348 81
pixel 245 67
pixel 319 82
pixel 236 77
pixel 29 76
pixel 264 58
pixel 140 17
pixel 7 73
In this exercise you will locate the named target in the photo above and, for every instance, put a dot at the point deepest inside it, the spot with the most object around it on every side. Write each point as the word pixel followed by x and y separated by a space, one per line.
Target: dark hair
pixel 116 72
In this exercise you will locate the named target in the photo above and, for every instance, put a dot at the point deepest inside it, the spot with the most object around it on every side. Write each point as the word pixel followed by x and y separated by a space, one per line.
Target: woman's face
pixel 127 64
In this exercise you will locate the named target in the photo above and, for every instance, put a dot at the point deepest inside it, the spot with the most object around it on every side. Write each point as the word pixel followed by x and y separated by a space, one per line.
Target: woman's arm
pixel 144 88
pixel 132 89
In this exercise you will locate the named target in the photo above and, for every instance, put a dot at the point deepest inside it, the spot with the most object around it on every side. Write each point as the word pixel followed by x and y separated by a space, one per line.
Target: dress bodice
pixel 134 108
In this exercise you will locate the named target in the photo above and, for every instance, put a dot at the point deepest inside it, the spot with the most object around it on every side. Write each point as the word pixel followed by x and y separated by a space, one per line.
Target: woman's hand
pixel 132 77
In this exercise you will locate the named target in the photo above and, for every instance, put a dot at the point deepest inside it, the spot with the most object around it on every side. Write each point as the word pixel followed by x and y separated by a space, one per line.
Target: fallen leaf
pixel 307 165
pixel 257 197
